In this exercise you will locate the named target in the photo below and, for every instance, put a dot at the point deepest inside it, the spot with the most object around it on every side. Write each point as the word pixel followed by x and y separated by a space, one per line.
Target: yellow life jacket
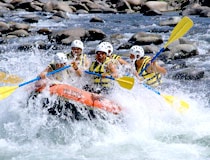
pixel 152 79
pixel 115 56
pixel 100 68
pixel 61 75
pixel 81 62
pixel 114 59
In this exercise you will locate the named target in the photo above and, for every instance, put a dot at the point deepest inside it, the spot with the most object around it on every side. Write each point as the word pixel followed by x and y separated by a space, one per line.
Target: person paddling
pixel 122 66
pixel 60 60
pixel 152 73
pixel 111 55
pixel 104 66
pixel 77 57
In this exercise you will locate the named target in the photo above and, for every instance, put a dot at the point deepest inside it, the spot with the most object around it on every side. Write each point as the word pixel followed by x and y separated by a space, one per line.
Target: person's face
pixel 100 56
pixel 132 56
pixel 76 51
pixel 60 65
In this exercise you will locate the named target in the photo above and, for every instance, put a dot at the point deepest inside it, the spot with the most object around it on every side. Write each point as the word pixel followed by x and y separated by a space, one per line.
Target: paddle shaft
pixel 48 74
pixel 152 89
pixel 125 81
pixel 99 75
pixel 161 50
pixel 8 90
pixel 179 30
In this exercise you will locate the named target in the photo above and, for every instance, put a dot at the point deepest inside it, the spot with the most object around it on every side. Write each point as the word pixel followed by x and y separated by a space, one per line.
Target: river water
pixel 151 129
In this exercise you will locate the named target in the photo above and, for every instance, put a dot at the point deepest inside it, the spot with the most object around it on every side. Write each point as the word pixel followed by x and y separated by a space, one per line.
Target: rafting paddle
pixel 180 105
pixel 125 81
pixel 7 78
pixel 8 90
pixel 179 30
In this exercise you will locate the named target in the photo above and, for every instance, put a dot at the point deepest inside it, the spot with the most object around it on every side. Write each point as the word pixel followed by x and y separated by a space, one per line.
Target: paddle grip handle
pixel 99 75
pixel 161 50
pixel 48 74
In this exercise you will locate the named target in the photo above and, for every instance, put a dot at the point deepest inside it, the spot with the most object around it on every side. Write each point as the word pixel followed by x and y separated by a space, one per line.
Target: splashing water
pixel 151 128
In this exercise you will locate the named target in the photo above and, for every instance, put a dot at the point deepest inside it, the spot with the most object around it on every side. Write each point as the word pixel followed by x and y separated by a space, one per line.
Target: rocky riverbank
pixel 145 7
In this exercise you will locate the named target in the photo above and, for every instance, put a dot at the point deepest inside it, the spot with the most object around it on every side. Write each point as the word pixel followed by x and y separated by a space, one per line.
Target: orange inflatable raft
pixel 88 99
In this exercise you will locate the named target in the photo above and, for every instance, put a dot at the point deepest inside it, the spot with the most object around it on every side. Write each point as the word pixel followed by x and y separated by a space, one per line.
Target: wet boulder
pixel 54 6
pixel 188 74
pixel 142 38
pixel 4 27
pixel 19 33
pixel 135 2
pixel 58 36
pixel 94 34
pixel 170 22
pixel 17 26
pixel 184 51
pixel 160 6
pixel 197 9
pixel 96 19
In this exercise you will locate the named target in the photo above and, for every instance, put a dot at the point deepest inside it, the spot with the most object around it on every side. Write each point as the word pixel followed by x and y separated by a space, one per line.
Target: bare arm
pixel 87 63
pixel 161 69
pixel 76 68
pixel 122 61
pixel 113 70
pixel 44 72
pixel 154 67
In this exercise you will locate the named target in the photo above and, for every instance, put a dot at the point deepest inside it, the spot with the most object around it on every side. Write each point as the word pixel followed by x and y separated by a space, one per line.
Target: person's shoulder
pixel 86 56
pixel 108 60
pixel 116 56
pixel 111 62
pixel 69 55
pixel 92 62
pixel 147 58
pixel 52 65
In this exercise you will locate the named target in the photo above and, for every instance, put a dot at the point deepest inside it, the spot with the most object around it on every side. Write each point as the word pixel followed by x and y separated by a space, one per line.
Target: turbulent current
pixel 151 129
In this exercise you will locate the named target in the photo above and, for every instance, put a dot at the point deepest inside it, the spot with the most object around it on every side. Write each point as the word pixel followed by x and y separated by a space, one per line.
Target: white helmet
pixel 102 48
pixel 109 46
pixel 60 58
pixel 78 44
pixel 138 51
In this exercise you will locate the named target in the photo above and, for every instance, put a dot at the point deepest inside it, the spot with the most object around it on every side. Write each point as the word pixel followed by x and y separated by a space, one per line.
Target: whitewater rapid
pixel 151 129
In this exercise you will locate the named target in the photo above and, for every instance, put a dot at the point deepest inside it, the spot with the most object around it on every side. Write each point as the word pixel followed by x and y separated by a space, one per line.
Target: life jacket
pixel 80 62
pixel 100 68
pixel 115 56
pixel 152 79
pixel 114 59
pixel 61 76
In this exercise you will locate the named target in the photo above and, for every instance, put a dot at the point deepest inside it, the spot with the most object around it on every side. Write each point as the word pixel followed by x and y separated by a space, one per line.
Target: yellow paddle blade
pixel 126 82
pixel 6 91
pixel 180 30
pixel 179 25
pixel 13 79
pixel 180 105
